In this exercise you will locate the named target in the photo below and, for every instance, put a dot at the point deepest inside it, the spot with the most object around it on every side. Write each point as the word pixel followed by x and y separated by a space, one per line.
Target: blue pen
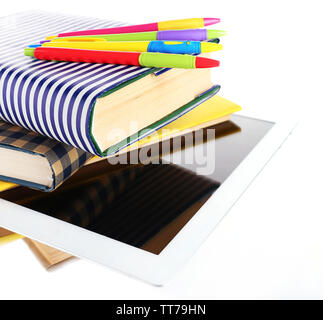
pixel 179 47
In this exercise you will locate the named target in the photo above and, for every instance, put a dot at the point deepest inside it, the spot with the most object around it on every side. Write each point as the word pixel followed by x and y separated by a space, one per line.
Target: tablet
pixel 148 220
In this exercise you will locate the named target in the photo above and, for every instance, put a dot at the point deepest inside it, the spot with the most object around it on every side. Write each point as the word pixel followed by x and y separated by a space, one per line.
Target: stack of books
pixel 66 124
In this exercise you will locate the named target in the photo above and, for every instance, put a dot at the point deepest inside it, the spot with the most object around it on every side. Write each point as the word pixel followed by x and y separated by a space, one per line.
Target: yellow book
pixel 7 236
pixel 10 238
pixel 6 186
pixel 211 112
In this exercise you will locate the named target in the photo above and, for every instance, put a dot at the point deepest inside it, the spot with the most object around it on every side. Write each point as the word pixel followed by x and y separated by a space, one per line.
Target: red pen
pixel 145 59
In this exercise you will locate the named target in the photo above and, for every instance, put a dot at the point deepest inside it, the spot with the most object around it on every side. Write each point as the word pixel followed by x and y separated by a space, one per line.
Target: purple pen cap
pixel 210 21
pixel 183 35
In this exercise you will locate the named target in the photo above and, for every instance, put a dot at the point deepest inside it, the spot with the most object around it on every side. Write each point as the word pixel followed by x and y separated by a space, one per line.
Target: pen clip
pixel 179 47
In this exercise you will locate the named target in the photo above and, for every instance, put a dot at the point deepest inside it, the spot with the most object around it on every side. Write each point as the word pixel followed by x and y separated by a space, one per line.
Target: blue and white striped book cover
pixel 54 99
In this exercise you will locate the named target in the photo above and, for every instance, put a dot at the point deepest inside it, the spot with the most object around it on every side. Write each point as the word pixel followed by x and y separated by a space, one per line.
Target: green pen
pixel 168 35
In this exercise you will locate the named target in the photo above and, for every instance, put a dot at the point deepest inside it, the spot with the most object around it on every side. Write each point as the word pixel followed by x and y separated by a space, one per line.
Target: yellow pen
pixel 179 47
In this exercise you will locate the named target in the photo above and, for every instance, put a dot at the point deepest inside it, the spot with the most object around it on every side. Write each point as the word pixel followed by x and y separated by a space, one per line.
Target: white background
pixel 271 243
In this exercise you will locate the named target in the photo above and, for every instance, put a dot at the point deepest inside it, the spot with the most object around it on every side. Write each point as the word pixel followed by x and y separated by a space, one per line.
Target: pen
pixel 181 47
pixel 145 59
pixel 177 35
pixel 192 23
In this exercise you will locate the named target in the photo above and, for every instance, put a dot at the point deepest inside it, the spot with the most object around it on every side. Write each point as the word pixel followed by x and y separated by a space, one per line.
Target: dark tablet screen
pixel 147 205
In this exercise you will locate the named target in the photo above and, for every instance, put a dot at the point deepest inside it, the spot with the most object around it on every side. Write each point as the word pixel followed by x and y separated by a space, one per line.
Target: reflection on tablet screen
pixel 147 205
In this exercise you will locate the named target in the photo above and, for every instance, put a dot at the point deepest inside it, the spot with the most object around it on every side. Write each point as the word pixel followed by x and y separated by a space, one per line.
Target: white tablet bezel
pixel 155 269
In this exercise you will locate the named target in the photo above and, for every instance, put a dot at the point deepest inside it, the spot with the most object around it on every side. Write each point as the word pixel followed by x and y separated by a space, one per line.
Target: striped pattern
pixel 54 99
